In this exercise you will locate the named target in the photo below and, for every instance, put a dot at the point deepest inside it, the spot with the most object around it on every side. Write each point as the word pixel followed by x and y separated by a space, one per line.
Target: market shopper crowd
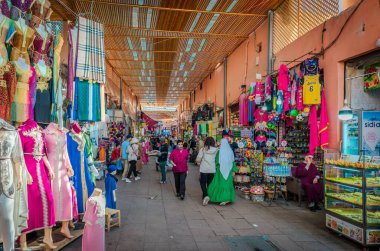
pixel 216 161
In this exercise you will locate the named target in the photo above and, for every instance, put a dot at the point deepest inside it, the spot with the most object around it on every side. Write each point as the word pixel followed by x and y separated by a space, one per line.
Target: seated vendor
pixel 309 175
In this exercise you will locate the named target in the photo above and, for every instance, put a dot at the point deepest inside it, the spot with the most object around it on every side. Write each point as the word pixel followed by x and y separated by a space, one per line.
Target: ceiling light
pixel 149 18
pixel 346 112
pixel 135 17
pixel 232 5
pixel 211 5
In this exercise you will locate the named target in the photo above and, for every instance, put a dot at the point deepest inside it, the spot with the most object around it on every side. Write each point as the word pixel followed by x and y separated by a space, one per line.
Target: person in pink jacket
pixel 178 158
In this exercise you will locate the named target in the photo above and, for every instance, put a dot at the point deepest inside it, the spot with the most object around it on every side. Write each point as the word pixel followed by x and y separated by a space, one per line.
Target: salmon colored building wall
pixel 358 38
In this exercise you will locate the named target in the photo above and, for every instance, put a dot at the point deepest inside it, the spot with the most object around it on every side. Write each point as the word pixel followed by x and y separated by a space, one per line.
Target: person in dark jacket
pixel 162 159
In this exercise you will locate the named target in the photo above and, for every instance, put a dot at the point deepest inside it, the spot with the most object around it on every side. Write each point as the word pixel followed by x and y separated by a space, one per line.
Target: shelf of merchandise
pixel 352 206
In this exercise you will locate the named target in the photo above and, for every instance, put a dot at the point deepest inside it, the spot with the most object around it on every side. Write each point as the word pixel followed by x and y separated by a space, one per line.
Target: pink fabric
pixel 243 109
pixel 70 81
pixel 59 160
pixel 324 122
pixel 283 78
pixel 145 156
pixel 180 159
pixel 41 214
pixel 259 93
pixel 299 99
pixel 74 203
pixel 286 101
pixel 260 117
pixel 32 92
pixel 293 94
pixel 313 140
pixel 93 234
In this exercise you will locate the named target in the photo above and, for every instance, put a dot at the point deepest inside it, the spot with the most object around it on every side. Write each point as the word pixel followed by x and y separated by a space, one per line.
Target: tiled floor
pixel 154 219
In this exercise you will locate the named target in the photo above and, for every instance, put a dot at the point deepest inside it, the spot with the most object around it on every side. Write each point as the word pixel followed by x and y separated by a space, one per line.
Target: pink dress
pixel 145 157
pixel 243 109
pixel 93 234
pixel 59 160
pixel 40 198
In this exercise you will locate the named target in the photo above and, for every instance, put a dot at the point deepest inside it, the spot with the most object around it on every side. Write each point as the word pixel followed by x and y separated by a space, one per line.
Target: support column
pixel 225 92
pixel 270 43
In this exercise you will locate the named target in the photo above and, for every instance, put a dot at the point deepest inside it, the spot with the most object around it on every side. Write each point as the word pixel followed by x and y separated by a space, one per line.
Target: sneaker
pixel 206 200
pixel 162 182
pixel 177 195
pixel 182 197
pixel 128 180
pixel 224 203
pixel 123 178
pixel 137 178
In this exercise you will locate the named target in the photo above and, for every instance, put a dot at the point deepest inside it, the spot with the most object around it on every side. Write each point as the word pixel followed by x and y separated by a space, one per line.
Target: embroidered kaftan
pixel 82 177
pixel 56 148
pixel 41 214
pixel 93 234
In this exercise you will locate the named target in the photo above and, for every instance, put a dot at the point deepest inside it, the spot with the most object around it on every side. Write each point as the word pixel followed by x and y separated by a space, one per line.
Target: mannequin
pixel 13 202
pixel 22 105
pixel 82 177
pixel 42 108
pixel 93 234
pixel 41 214
pixel 57 153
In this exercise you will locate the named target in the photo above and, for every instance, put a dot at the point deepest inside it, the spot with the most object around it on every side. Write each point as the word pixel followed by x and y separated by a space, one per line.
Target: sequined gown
pixel 7 72
pixel 41 214
pixel 93 234
pixel 56 148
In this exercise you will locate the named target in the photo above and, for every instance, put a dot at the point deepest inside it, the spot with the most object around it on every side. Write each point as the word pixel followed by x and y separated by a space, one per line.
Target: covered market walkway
pixel 154 219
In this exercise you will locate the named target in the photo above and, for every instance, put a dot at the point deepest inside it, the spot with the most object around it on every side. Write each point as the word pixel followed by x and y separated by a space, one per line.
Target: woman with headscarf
pixel 221 189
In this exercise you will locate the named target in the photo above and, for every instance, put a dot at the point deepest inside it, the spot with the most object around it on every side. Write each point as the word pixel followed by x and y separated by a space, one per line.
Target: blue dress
pixel 110 188
pixel 82 177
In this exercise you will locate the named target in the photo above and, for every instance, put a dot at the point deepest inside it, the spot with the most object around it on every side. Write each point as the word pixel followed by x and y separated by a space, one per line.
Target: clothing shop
pixel 52 115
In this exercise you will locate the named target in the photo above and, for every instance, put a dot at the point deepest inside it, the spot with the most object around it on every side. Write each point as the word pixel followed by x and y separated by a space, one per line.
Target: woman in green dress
pixel 221 189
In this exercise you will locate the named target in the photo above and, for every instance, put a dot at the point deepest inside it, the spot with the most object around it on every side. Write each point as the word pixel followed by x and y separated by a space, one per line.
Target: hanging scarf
pixel 226 158
pixel 324 122
pixel 313 140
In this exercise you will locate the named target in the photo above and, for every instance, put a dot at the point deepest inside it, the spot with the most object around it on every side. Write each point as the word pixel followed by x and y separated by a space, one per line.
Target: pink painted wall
pixel 354 41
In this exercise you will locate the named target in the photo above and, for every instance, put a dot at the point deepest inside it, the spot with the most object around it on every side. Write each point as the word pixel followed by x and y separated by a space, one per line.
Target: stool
pixel 109 213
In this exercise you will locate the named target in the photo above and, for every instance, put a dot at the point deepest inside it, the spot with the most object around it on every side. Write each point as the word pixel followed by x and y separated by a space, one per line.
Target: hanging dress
pixel 94 233
pixel 5 8
pixel 19 8
pixel 56 147
pixel 82 176
pixel 41 214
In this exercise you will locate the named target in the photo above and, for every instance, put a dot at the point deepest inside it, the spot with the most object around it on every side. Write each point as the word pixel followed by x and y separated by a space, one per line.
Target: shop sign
pixel 371 132
pixel 345 228
pixel 373 236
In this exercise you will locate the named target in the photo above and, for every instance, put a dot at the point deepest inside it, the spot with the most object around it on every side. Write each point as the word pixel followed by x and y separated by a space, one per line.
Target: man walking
pixel 124 155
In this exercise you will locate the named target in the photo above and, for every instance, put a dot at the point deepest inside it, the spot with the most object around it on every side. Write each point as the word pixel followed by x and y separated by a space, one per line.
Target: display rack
pixel 298 140
pixel 352 202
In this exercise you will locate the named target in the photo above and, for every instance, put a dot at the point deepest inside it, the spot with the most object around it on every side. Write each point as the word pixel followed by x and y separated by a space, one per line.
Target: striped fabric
pixel 90 63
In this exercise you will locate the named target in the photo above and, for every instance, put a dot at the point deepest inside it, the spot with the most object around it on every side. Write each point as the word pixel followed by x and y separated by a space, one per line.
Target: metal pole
pixel 225 92
pixel 270 43
pixel 121 93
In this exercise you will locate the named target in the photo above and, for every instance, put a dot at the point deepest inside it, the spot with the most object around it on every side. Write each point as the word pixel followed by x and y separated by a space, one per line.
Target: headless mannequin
pixel 47 240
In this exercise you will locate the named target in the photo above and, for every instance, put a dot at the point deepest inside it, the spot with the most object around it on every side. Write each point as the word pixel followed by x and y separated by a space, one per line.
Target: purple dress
pixel 19 8
pixel 93 234
pixel 314 192
pixel 41 214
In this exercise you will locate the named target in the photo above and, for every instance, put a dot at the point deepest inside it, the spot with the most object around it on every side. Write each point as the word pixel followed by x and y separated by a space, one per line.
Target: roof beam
pixel 174 9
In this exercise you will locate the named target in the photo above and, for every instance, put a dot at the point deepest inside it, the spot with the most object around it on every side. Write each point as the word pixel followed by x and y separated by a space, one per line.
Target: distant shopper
pixel 178 159
pixel 221 189
pixel 133 154
pixel 146 149
pixel 206 160
pixel 115 155
pixel 162 160
pixel 309 175
pixel 124 155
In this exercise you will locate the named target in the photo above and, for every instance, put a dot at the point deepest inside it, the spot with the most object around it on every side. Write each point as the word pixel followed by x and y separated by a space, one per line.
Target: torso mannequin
pixel 21 40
